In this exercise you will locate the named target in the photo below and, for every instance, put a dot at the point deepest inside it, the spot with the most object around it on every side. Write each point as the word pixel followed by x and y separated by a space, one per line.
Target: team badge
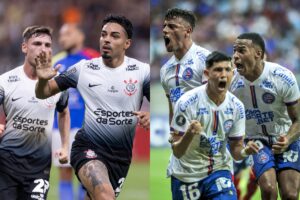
pixel 130 88
pixel 187 74
pixel 90 154
pixel 180 120
pixel 50 102
pixel 228 125
pixel 262 157
pixel 268 98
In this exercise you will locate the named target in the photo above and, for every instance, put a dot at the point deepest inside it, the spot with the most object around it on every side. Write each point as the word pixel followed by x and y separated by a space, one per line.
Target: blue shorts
pixel 265 159
pixel 217 186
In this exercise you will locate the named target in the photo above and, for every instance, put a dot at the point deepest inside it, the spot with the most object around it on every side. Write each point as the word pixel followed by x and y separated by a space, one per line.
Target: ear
pixel 259 53
pixel 127 44
pixel 24 47
pixel 189 31
pixel 206 73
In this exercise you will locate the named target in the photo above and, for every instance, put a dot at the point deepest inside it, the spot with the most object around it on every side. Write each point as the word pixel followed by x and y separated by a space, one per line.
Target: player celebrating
pixel 112 87
pixel 25 145
pixel 271 97
pixel 205 119
pixel 71 39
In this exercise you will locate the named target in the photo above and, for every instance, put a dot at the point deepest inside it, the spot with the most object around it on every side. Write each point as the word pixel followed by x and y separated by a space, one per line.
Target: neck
pixel 113 62
pixel 179 53
pixel 256 72
pixel 217 98
pixel 30 71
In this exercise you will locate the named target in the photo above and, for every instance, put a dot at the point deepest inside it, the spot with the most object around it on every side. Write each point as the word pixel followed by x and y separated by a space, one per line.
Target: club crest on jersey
pixel 90 154
pixel 262 157
pixel 50 102
pixel 228 125
pixel 187 74
pixel 268 98
pixel 130 88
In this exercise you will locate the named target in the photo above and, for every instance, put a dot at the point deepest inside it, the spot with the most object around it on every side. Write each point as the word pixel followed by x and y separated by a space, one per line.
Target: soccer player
pixel 184 70
pixel 25 145
pixel 112 87
pixel 205 118
pixel 271 97
pixel 71 39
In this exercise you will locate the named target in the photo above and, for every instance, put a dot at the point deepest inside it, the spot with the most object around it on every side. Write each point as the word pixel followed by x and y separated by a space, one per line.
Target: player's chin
pixel 106 56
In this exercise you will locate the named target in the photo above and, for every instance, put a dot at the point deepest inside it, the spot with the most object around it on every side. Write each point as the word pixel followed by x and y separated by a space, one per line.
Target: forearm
pixel 294 132
pixel 236 152
pixel 180 146
pixel 46 88
pixel 64 127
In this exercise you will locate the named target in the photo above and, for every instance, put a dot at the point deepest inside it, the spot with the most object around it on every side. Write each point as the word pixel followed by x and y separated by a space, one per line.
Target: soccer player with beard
pixel 112 87
pixel 271 95
pixel 205 119
pixel 25 144
pixel 71 39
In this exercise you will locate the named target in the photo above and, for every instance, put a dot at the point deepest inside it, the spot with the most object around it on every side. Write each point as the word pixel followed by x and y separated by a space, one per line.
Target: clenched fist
pixel 194 128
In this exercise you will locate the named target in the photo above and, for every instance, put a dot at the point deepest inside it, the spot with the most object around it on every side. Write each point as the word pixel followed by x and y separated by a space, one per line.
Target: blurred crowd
pixel 15 15
pixel 221 21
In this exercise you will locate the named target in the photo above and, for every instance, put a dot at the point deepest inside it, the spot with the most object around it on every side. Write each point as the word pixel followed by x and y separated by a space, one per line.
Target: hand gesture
pixel 281 145
pixel 143 119
pixel 194 128
pixel 252 148
pixel 62 155
pixel 44 69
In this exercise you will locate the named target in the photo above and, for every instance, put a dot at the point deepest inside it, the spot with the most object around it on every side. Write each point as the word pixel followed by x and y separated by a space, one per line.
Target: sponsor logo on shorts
pixel 90 154
pixel 130 88
pixel 268 98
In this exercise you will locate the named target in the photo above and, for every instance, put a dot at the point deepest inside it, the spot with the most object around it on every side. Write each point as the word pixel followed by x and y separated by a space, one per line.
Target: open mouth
pixel 239 66
pixel 222 84
pixel 167 41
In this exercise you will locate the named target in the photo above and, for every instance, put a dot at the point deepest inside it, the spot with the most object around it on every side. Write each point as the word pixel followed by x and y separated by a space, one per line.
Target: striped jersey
pixel 207 152
pixel 180 76
pixel 265 101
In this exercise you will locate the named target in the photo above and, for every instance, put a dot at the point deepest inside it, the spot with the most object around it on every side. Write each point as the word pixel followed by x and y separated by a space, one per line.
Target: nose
pixel 235 56
pixel 165 30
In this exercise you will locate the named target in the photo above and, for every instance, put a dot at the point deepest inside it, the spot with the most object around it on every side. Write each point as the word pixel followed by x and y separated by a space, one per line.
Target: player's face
pixel 175 31
pixel 113 41
pixel 245 56
pixel 219 76
pixel 35 45
pixel 70 37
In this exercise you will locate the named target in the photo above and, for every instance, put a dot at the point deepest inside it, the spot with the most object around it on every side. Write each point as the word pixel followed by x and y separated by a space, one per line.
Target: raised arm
pixel 46 86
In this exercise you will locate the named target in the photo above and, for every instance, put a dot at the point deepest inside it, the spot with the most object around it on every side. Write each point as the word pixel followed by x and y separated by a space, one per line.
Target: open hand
pixel 44 69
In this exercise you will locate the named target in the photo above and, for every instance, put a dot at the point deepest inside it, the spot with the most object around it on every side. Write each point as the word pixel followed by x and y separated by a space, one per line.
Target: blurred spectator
pixel 15 15
pixel 220 21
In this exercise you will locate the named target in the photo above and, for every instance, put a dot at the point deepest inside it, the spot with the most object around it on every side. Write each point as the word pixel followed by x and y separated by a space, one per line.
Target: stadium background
pixel 219 23
pixel 15 15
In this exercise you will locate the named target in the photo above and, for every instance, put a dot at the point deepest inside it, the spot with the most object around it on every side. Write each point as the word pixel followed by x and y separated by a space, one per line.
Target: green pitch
pixel 136 184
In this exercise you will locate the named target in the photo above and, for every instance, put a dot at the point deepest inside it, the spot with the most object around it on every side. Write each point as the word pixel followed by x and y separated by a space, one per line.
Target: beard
pixel 106 56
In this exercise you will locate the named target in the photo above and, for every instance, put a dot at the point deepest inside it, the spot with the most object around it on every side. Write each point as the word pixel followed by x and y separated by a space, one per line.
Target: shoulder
pixel 281 73
pixel 12 76
pixel 190 98
pixel 133 64
pixel 169 64
pixel 200 52
pixel 235 102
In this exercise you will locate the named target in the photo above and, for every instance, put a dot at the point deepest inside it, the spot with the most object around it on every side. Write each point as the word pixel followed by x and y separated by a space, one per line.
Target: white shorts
pixel 56 144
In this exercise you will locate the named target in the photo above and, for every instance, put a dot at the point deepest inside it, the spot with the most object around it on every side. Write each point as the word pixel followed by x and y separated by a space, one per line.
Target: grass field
pixel 160 185
pixel 135 186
